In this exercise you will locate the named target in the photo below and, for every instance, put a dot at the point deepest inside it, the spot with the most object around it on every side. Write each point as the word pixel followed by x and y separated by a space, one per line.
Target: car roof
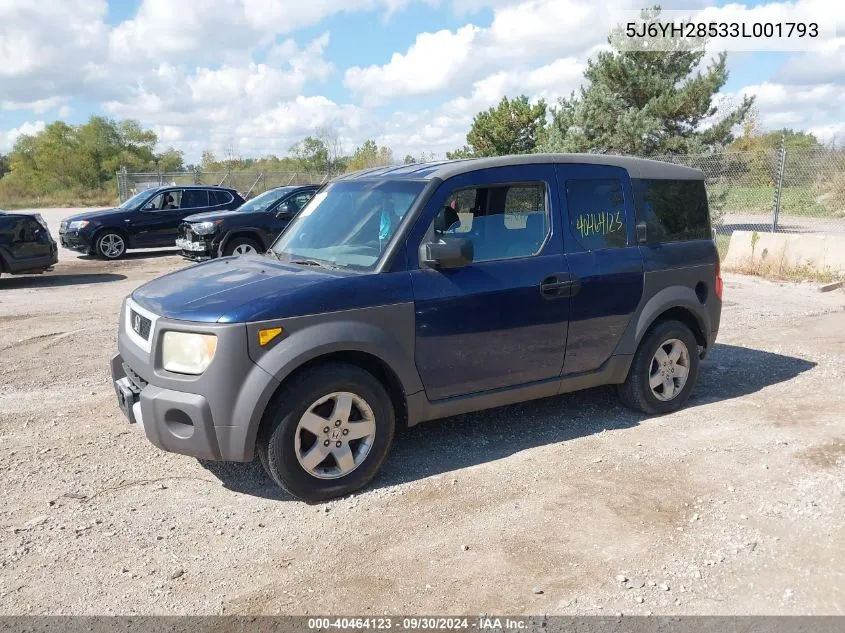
pixel 636 167
pixel 161 187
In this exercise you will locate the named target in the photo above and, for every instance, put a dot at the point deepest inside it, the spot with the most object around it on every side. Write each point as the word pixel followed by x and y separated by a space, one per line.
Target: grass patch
pixel 795 201
pixel 59 200
pixel 722 243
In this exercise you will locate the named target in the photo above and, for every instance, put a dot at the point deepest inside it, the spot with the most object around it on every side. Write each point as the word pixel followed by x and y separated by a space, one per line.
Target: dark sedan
pixel 249 229
pixel 150 219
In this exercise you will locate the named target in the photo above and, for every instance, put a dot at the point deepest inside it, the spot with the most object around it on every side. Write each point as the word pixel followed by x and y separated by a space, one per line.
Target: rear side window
pixel 217 197
pixel 597 213
pixel 673 210
pixel 194 199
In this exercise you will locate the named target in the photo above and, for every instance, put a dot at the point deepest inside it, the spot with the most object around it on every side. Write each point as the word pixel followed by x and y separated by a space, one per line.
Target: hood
pixel 94 213
pixel 210 216
pixel 233 289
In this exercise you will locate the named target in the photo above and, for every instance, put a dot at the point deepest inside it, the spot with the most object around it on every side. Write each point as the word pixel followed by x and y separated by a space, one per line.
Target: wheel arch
pixel 674 302
pixel 114 229
pixel 249 233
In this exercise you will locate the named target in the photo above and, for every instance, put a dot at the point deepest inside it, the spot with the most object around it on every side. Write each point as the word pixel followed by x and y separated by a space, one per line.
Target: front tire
pixel 327 433
pixel 664 370
pixel 110 245
pixel 241 246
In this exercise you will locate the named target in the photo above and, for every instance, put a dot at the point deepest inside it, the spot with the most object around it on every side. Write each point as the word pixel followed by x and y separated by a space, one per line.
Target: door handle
pixel 559 286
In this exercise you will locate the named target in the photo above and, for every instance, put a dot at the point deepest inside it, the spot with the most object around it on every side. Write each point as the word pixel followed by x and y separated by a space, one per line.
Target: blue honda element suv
pixel 408 293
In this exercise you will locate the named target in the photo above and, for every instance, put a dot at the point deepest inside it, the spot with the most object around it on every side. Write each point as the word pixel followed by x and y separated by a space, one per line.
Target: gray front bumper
pixel 213 416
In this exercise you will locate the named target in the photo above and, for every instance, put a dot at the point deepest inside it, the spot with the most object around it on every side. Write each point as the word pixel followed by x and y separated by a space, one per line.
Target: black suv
pixel 26 245
pixel 149 219
pixel 249 229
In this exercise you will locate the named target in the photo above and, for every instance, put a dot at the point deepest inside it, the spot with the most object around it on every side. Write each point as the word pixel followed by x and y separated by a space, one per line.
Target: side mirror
pixel 284 211
pixel 450 252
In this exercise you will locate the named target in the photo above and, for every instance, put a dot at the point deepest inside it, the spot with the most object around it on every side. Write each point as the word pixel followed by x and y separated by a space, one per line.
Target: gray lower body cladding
pixel 212 416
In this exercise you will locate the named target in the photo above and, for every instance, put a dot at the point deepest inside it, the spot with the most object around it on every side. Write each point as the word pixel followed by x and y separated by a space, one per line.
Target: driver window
pixel 165 201
pixel 502 221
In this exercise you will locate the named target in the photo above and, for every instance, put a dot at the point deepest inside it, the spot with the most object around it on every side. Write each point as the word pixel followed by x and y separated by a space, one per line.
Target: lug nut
pixel 326 430
pixel 338 444
pixel 346 431
pixel 337 423
pixel 326 443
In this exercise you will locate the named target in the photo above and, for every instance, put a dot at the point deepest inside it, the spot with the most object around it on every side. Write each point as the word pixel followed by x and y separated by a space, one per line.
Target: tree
pixel 4 164
pixel 311 154
pixel 512 127
pixel 335 160
pixel 409 160
pixel 647 102
pixel 369 154
pixel 208 162
pixel 171 160
pixel 76 159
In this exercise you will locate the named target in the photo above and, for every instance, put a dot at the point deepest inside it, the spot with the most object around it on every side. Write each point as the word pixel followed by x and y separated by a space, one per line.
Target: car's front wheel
pixel 110 245
pixel 327 433
pixel 664 370
pixel 241 246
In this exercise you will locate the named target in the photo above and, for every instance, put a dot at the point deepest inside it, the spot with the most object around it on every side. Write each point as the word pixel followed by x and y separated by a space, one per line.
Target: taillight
pixel 718 280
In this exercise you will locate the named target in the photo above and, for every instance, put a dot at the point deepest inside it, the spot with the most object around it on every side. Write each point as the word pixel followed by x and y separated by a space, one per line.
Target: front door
pixel 156 225
pixel 500 321
pixel 603 258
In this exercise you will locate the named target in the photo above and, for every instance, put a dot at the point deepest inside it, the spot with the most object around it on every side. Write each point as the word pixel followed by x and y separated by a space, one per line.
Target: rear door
pixel 603 257
pixel 501 321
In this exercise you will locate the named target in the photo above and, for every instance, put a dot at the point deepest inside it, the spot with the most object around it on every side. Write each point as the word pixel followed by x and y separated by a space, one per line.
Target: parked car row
pixel 204 222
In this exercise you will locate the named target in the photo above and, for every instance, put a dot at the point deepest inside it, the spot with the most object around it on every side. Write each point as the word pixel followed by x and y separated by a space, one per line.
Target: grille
pixel 137 382
pixel 140 324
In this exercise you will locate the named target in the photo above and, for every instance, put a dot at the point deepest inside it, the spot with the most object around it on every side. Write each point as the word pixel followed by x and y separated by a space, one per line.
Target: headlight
pixel 187 353
pixel 78 224
pixel 204 228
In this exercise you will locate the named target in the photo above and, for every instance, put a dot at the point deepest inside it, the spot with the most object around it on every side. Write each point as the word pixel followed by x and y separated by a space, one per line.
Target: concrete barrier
pixel 817 252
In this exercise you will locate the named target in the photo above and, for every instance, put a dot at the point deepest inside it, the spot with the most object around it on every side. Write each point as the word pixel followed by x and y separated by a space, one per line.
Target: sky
pixel 255 76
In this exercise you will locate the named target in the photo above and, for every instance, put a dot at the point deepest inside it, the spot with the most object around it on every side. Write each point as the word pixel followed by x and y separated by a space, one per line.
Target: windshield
pixel 264 201
pixel 136 200
pixel 348 224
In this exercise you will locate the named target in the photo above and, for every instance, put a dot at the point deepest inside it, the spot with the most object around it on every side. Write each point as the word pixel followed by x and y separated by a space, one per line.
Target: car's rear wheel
pixel 664 370
pixel 110 245
pixel 327 433
pixel 241 246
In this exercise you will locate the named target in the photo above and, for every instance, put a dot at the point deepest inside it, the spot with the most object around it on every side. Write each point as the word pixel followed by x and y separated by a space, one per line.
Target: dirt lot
pixel 735 505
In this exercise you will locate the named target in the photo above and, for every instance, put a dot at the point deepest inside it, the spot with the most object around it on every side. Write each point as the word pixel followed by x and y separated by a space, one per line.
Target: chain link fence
pixel 248 183
pixel 778 190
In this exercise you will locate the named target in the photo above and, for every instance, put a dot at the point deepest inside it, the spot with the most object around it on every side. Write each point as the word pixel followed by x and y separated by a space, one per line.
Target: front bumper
pixel 175 421
pixel 214 416
pixel 197 247
pixel 75 241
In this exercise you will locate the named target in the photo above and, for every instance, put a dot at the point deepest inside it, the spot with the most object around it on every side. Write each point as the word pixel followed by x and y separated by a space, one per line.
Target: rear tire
pixel 241 246
pixel 313 463
pixel 664 370
pixel 110 245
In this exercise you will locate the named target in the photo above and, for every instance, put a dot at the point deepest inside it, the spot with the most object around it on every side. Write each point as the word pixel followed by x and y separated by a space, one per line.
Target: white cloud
pixel 531 33
pixel 39 106
pixel 29 128
pixel 46 48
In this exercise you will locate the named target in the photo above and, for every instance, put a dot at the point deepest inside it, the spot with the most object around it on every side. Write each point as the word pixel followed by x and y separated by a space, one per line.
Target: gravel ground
pixel 570 505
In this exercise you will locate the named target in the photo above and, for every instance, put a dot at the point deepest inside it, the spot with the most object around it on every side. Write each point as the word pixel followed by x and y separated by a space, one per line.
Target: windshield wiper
pixel 314 262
